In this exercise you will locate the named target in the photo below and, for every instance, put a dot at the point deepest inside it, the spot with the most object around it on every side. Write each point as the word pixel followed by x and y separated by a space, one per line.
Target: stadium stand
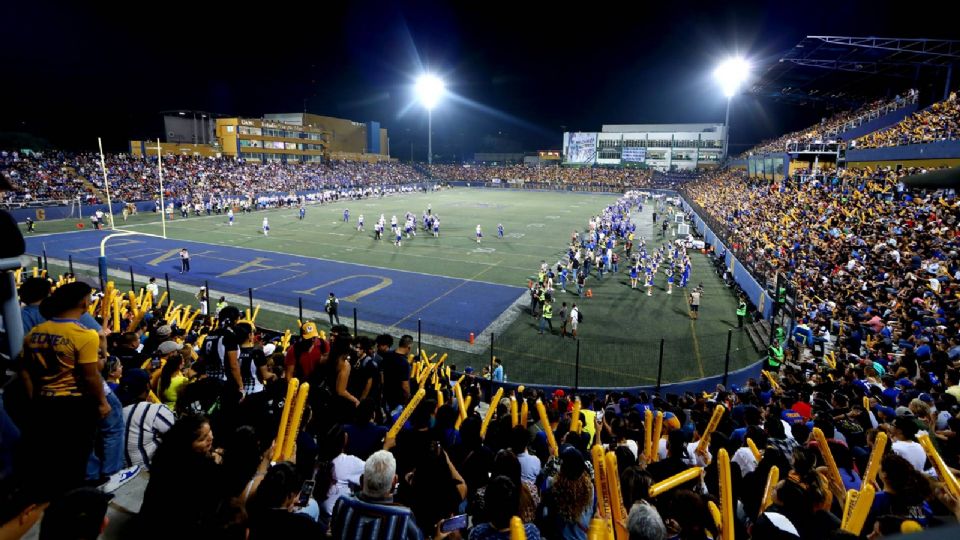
pixel 832 129
pixel 939 122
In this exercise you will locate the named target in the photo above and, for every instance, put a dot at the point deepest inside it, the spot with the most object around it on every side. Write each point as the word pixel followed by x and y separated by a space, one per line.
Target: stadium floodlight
pixel 731 74
pixel 429 89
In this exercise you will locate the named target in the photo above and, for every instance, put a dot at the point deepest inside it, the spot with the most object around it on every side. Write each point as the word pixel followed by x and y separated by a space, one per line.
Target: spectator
pixel 501 502
pixel 145 422
pixel 80 514
pixel 271 508
pixel 569 497
pixel 374 507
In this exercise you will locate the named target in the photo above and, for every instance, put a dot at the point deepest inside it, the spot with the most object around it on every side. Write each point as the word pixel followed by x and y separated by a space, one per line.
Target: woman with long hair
pixel 171 380
pixel 434 488
pixel 506 464
pixel 569 497
pixel 272 507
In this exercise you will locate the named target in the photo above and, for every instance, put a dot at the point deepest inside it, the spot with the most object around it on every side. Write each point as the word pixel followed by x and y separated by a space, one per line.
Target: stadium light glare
pixel 430 89
pixel 732 73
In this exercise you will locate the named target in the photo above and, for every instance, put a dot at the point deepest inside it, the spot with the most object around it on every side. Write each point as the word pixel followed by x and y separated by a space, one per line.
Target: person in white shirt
pixel 905 444
pixel 529 464
pixel 153 289
pixel 346 469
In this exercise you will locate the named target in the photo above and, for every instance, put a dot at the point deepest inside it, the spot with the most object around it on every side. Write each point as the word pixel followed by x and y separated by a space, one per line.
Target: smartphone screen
pixel 453 524
pixel 305 492
pixel 155 363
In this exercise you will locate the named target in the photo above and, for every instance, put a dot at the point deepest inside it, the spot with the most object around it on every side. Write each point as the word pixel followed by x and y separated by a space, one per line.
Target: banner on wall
pixel 634 154
pixel 581 147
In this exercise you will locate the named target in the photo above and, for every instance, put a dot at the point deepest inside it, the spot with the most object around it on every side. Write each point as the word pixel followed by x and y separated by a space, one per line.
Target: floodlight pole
pixel 163 207
pixel 429 136
pixel 106 184
pixel 726 129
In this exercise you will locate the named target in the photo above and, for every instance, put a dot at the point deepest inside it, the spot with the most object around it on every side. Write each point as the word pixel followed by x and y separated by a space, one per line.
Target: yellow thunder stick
pixel 860 510
pixel 292 386
pixel 753 449
pixel 833 473
pixel 116 313
pixel 618 513
pixel 405 414
pixel 664 486
pixel 772 478
pixel 490 410
pixel 602 487
pixel 726 495
pixel 575 417
pixel 256 311
pixel 548 431
pixel 873 466
pixel 648 434
pixel 466 405
pixel 514 415
pixel 597 529
pixel 943 472
pixel 439 398
pixel 866 403
pixel 290 437
pixel 773 382
pixel 852 496
pixel 657 429
pixel 517 532
pixel 460 404
pixel 714 422
pixel 524 411
pixel 714 513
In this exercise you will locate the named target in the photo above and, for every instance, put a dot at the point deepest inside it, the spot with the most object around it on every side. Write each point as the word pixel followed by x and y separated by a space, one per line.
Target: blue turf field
pixel 448 307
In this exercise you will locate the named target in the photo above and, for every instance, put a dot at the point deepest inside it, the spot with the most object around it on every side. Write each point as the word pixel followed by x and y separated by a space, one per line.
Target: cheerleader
pixel 669 272
pixel 650 273
pixel 634 270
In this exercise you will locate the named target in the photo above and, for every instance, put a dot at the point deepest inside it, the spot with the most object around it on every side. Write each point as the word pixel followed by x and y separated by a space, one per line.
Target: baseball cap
pixel 468 370
pixel 168 347
pixel 308 330
pixel 164 331
pixel 904 411
pixel 269 349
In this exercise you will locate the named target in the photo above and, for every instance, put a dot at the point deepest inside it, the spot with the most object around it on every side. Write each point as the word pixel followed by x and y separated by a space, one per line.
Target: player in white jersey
pixel 436 227
pixel 266 227
pixel 479 234
pixel 230 217
pixel 393 223
pixel 360 223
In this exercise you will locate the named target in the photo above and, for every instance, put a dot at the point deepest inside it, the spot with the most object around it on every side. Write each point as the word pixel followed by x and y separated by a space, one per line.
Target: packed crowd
pixel 385 444
pixel 831 129
pixel 940 121
pixel 60 177
pixel 559 176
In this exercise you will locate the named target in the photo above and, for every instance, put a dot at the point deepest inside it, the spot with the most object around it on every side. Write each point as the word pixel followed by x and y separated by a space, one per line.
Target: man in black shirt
pixel 220 353
pixel 365 380
pixel 126 351
pixel 396 371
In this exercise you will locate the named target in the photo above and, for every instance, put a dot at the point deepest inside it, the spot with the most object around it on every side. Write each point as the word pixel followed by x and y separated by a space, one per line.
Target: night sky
pixel 521 72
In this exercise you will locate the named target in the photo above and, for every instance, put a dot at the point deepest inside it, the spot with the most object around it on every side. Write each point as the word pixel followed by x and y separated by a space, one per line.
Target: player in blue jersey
pixel 500 230
pixel 346 215
pixel 303 212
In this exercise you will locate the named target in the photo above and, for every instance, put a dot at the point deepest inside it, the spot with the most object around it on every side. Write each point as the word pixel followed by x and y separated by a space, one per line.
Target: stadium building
pixel 663 147
pixel 284 137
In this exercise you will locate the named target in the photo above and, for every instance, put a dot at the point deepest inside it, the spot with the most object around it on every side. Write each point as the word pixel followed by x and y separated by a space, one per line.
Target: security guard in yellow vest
pixel 774 357
pixel 546 319
pixel 741 312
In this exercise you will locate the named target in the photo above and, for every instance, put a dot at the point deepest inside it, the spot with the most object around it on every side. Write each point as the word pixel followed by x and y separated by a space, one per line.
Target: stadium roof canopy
pixel 848 70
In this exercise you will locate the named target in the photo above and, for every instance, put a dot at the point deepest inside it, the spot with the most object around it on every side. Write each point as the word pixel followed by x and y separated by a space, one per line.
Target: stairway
pixel 759 334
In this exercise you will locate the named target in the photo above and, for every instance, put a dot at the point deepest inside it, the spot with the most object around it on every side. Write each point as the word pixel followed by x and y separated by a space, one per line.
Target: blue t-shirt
pixel 31 317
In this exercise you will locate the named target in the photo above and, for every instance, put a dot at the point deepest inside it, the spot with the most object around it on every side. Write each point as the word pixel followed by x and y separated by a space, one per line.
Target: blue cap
pixel 905 382
pixel 886 411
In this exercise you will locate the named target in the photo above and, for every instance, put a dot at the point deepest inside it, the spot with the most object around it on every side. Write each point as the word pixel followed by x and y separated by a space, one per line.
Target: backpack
pixel 579 316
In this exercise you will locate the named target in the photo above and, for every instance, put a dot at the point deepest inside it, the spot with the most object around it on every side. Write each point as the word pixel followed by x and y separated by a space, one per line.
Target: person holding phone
pixel 272 507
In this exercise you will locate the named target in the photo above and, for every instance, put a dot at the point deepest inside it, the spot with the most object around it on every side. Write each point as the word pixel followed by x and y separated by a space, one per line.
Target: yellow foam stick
pixel 657 430
pixel 726 495
pixel 460 404
pixel 597 529
pixel 714 513
pixel 618 512
pixel 866 403
pixel 517 532
pixel 490 410
pixel 514 415
pixel 833 473
pixel 246 312
pixel 415 371
pixel 753 449
pixel 648 434
pixel 773 382
pixel 524 412
pixel 548 431
pixel 860 511
pixel 290 437
pixel 520 390
pixel 575 417
pixel 405 414
pixel 292 386
pixel 873 466
pixel 714 422
pixel 849 503
pixel 116 313
pixel 466 404
pixel 666 485
pixel 439 398
pixel 943 472
pixel 256 311
pixel 772 478
pixel 602 487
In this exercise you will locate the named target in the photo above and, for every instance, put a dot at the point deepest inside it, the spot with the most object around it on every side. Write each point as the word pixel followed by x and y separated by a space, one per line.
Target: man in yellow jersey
pixel 60 369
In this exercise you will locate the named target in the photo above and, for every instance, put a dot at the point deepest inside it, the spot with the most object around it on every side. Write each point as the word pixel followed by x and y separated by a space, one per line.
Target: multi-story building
pixel 658 146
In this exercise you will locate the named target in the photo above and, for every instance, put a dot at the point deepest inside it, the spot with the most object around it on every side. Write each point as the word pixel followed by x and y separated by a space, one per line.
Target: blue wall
pixel 879 123
pixel 934 150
